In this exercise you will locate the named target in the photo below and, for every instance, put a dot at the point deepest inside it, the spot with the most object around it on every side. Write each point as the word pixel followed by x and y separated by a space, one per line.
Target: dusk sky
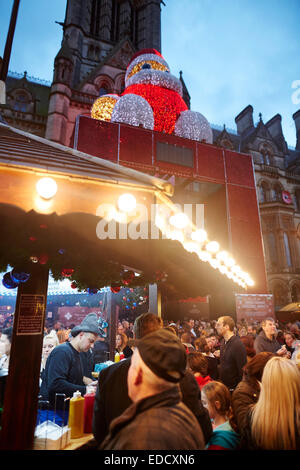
pixel 232 52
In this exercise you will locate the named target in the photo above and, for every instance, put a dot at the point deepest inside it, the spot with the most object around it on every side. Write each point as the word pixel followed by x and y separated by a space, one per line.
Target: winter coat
pixel 203 380
pixel 63 374
pixel 159 422
pixel 264 344
pixel 112 399
pixel 245 395
pixel 233 357
pixel 223 438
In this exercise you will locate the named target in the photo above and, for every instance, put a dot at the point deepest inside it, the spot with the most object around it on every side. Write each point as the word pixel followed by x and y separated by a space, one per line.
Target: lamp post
pixel 7 50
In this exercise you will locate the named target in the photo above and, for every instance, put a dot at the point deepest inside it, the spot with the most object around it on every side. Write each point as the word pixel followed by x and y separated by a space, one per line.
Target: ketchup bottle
pixel 89 399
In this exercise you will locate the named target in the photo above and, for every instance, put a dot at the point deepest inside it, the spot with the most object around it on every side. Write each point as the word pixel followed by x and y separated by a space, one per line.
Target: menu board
pixel 31 314
pixel 254 307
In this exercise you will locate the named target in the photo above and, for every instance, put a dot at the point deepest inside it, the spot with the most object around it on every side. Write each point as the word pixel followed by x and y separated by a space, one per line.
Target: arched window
pixel 263 192
pixel 297 197
pixel 272 250
pixel 287 249
pixel 103 91
pixel 276 193
pixel 280 295
pixel 21 102
pixel 295 293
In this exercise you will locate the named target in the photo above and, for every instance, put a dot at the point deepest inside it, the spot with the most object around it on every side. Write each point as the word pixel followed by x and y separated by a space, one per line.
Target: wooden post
pixel 22 386
pixel 113 310
pixel 155 299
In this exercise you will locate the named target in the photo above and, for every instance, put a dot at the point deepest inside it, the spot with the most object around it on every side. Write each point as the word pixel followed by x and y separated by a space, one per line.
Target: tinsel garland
pixel 33 238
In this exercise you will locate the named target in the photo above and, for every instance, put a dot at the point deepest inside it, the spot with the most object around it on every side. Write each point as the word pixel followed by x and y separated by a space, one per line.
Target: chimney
pixel 244 120
pixel 275 129
pixel 296 117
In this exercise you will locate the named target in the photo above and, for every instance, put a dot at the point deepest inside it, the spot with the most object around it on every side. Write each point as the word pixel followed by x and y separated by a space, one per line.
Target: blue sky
pixel 232 52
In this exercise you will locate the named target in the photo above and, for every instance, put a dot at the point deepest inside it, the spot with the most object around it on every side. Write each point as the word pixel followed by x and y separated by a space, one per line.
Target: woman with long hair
pixel 273 423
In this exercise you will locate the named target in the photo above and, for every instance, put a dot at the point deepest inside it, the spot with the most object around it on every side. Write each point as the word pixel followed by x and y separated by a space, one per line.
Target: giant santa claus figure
pixel 152 99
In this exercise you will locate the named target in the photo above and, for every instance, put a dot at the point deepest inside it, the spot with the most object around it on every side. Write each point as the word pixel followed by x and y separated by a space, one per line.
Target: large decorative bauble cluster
pixel 193 126
pixel 133 110
pixel 103 107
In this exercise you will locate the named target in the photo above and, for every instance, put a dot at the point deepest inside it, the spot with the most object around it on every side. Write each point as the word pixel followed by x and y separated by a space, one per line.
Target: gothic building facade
pixel 99 38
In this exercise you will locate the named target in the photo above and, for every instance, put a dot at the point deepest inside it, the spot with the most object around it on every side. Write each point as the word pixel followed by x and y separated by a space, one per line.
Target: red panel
pixel 239 169
pixel 98 138
pixel 210 162
pixel 135 145
pixel 245 234
pixel 242 203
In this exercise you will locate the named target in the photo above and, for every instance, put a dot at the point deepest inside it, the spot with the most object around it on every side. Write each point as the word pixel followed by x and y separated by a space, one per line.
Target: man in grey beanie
pixel 63 371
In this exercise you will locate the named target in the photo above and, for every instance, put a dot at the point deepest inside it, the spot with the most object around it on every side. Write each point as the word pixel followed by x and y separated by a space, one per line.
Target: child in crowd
pixel 198 364
pixel 217 399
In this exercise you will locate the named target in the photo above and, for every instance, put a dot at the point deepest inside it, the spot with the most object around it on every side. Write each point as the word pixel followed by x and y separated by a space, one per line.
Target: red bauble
pixel 115 289
pixel 127 277
pixel 73 285
pixel 43 259
pixel 32 239
pixel 67 272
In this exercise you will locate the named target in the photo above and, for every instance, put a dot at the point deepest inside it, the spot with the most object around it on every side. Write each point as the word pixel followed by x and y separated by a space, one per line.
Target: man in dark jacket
pixel 64 372
pixel 266 341
pixel 157 418
pixel 112 392
pixel 233 354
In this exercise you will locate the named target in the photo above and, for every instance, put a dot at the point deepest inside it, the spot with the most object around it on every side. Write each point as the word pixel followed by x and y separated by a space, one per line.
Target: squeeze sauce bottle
pixel 89 399
pixel 76 415
pixel 117 357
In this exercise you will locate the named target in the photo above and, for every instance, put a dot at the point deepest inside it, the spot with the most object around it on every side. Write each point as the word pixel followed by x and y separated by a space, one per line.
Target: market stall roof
pixel 21 149
pixel 96 263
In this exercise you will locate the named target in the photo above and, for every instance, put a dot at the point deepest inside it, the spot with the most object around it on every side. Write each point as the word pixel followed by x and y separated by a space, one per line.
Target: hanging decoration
pixel 152 99
pixel 19 276
pixel 8 282
pixel 115 289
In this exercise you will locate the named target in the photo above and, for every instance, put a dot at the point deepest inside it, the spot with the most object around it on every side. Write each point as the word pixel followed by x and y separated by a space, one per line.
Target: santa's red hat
pixel 145 51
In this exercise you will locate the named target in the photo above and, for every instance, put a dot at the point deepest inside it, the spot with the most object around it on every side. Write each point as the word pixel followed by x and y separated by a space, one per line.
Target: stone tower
pixel 99 38
pixel 94 27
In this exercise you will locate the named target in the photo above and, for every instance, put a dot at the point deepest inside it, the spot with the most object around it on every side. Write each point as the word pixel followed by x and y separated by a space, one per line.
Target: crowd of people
pixel 184 385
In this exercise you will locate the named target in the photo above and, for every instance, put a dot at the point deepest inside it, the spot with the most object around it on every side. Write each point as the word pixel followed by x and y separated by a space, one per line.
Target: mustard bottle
pixel 117 357
pixel 76 415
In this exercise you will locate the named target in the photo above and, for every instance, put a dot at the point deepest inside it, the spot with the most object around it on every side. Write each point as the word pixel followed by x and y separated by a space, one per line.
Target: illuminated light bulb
pixel 159 221
pixel 222 256
pixel 199 236
pixel 213 247
pixel 223 269
pixel 214 263
pixel 127 202
pixel 229 274
pixel 177 235
pixel 46 188
pixel 229 262
pixel 236 270
pixel 250 282
pixel 204 255
pixel 191 247
pixel 180 220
